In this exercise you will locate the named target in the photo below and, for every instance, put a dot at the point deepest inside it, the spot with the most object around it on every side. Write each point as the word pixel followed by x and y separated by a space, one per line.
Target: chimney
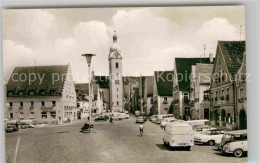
pixel 211 58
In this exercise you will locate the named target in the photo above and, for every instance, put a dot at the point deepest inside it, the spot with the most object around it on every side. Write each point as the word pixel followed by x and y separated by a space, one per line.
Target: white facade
pixel 115 76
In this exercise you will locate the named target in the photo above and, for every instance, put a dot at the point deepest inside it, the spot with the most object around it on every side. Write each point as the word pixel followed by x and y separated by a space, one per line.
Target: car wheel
pixel 211 142
pixel 238 153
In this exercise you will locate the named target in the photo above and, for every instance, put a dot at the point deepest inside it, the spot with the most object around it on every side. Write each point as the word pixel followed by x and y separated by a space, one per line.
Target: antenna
pixel 204 48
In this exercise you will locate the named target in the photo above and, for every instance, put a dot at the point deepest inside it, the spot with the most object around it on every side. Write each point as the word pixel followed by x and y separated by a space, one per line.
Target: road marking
pixel 16 150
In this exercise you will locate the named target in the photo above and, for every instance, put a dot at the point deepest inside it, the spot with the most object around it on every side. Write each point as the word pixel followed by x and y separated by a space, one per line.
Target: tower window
pixel 117 65
pixel 117 103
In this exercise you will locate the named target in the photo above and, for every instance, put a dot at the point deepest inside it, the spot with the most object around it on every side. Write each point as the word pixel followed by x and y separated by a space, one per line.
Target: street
pixel 117 142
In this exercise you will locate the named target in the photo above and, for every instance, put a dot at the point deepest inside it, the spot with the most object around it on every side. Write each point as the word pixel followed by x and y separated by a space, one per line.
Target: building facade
pixel 82 100
pixel 229 58
pixel 115 76
pixel 163 81
pixel 50 98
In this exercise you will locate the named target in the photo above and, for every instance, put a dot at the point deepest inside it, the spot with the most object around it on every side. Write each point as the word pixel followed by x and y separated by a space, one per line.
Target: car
pixel 201 128
pixel 27 125
pixel 234 142
pixel 166 120
pixel 160 118
pixel 126 116
pixel 139 119
pixel 209 137
pixel 154 118
pixel 100 118
pixel 117 118
pixel 11 128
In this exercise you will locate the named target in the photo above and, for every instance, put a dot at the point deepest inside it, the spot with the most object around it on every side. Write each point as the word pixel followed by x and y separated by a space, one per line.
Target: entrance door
pixel 242 119
pixel 206 113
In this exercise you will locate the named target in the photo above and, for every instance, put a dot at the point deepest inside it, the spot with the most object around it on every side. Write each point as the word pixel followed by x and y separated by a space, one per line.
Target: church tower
pixel 115 76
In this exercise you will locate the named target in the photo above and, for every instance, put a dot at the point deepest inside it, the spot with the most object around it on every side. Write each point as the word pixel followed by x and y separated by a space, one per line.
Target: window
pixel 11 104
pixel 117 103
pixel 53 103
pixel 43 103
pixel 31 115
pixel 227 91
pixel 52 92
pixel 21 115
pixel 165 98
pixel 222 92
pixel 78 105
pixel 11 115
pixel 31 93
pixel 186 96
pixel 53 114
pixel 117 65
pixel 42 92
pixel 10 93
pixel 32 103
pixel 20 93
pixel 44 115
pixel 21 104
pixel 241 92
pixel 206 95
pixel 117 96
pixel 151 100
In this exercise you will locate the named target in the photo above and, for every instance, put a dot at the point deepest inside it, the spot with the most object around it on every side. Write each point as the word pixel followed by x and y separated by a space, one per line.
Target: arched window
pixel 117 65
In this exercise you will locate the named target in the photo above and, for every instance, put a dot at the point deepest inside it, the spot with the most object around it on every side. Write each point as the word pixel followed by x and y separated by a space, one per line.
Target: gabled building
pixel 162 91
pixel 82 91
pixel 200 87
pixel 148 93
pixel 241 95
pixel 229 58
pixel 44 94
pixel 103 83
pixel 182 86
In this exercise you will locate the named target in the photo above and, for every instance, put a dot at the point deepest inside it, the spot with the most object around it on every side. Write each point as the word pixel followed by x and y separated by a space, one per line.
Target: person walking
pixel 141 128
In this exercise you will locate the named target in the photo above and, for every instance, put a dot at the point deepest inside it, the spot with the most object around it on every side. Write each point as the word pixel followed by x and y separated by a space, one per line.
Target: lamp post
pixel 88 58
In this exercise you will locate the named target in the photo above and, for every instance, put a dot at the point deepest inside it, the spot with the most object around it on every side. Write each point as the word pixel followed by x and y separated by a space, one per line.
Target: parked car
pixel 126 116
pixel 137 113
pixel 11 128
pixel 198 122
pixel 100 118
pixel 234 142
pixel 209 137
pixel 27 125
pixel 178 135
pixel 117 117
pixel 166 120
pixel 160 118
pixel 201 128
pixel 140 119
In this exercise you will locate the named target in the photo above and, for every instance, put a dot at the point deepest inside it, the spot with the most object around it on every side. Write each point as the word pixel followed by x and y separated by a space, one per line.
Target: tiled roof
pixel 183 70
pixel 53 78
pixel 149 81
pixel 102 81
pixel 233 54
pixel 164 82
pixel 82 91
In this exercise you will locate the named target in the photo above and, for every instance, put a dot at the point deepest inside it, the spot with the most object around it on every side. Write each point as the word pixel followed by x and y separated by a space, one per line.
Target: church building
pixel 115 76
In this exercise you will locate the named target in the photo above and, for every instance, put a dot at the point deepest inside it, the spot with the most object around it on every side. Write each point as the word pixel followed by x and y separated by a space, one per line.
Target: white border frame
pixel 252 41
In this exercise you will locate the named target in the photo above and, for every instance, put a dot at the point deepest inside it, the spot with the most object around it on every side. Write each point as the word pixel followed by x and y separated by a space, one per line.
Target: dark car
pixel 100 118
pixel 11 128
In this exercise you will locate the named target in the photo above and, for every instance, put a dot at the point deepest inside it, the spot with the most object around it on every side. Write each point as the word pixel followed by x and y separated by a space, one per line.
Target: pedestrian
pixel 141 128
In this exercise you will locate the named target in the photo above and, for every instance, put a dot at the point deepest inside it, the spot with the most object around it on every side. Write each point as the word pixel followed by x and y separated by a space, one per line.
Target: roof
pixel 233 54
pixel 149 85
pixel 164 82
pixel 131 79
pixel 102 81
pixel 82 91
pixel 183 68
pixel 49 79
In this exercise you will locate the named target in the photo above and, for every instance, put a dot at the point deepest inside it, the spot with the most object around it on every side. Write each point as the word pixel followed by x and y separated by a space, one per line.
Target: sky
pixel 150 38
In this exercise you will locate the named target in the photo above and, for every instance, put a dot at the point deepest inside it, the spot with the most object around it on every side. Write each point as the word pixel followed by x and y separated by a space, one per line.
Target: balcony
pixel 165 102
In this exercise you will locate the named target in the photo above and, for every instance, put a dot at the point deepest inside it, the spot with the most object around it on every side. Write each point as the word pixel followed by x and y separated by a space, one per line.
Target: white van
pixel 160 118
pixel 178 134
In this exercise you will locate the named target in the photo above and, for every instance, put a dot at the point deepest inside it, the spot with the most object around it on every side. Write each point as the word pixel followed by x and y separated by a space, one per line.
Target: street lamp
pixel 88 58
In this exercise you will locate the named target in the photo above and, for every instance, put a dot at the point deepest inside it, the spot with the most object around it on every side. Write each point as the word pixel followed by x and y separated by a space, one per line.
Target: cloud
pixel 16 55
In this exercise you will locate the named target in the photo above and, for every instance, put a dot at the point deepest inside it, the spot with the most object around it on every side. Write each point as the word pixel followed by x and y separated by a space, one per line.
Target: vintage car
pixel 209 136
pixel 201 128
pixel 100 118
pixel 11 128
pixel 166 120
pixel 234 142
